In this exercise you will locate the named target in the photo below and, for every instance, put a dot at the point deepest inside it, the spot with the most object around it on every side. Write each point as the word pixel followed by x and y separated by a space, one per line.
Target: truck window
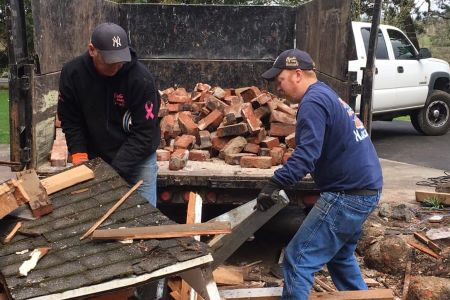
pixel 403 49
pixel 381 52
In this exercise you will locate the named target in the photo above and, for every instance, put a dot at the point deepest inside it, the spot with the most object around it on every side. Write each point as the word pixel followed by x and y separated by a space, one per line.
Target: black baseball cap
pixel 291 59
pixel 111 41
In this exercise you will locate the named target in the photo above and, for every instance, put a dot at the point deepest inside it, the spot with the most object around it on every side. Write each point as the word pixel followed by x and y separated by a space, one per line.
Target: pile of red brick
pixel 243 126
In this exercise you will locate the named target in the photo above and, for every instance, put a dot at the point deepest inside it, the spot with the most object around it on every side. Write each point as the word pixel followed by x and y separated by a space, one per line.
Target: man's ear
pixel 299 75
pixel 91 49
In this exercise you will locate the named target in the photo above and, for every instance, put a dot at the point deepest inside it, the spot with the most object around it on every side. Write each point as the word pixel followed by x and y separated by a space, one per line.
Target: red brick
pixel 277 155
pixel 281 129
pixel 173 107
pixel 202 87
pixel 218 92
pixel 254 124
pixel 179 96
pixel 260 162
pixel 199 155
pixel 214 103
pixel 197 106
pixel 185 141
pixel 162 155
pixel 236 129
pixel 270 142
pixel 258 138
pixel 229 119
pixel 251 148
pixel 286 108
pixel 236 110
pixel 290 140
pixel 169 127
pixel 163 112
pixel 168 91
pixel 218 142
pixel 248 93
pixel 178 159
pixel 281 117
pixel 286 156
pixel 171 146
pixel 213 120
pixel 233 146
pixel 205 139
pixel 261 112
pixel 235 159
pixel 264 152
pixel 262 99
pixel 59 152
pixel 232 100
pixel 186 124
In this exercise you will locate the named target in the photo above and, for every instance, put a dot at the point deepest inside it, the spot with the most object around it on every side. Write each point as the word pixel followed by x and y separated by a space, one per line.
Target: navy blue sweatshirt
pixel 92 110
pixel 332 145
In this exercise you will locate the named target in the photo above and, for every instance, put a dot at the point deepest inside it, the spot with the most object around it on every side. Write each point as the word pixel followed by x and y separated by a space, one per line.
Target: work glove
pixel 79 158
pixel 268 195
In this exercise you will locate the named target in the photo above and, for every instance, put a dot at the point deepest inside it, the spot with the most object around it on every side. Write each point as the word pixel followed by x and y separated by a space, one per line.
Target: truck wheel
pixel 434 117
pixel 415 121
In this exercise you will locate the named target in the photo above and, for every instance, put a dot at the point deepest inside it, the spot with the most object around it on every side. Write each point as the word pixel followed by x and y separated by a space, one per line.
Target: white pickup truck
pixel 406 82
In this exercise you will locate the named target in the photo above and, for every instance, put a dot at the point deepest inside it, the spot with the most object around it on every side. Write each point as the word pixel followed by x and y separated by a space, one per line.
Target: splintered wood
pixel 200 124
pixel 67 178
pixel 12 196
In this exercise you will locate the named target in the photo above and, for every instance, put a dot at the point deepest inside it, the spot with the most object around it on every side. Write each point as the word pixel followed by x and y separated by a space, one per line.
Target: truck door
pixel 410 78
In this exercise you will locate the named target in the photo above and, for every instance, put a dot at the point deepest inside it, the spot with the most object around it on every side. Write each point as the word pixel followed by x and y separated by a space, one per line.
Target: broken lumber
pixel 67 178
pixel 407 278
pixel 423 249
pixel 423 196
pixel 12 233
pixel 40 203
pixel 111 210
pixel 228 275
pixel 12 196
pixel 324 285
pixel 421 237
pixel 163 231
pixel 375 294
pixel 271 293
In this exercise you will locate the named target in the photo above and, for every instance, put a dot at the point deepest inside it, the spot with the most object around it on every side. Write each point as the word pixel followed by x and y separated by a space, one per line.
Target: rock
pixel 371 232
pixel 389 255
pixel 385 210
pixel 402 212
pixel 428 288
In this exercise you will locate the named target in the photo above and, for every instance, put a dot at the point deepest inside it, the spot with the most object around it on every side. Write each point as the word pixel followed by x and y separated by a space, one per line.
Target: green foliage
pixel 434 202
pixel 4 117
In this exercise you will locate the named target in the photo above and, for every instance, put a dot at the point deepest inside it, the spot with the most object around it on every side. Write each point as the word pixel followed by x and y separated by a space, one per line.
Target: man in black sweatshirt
pixel 108 105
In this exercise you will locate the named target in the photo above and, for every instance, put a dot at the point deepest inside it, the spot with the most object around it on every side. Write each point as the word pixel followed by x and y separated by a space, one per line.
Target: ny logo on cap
pixel 116 41
pixel 291 61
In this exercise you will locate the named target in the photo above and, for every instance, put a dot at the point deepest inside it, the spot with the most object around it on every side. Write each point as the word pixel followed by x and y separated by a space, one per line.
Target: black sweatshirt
pixel 91 108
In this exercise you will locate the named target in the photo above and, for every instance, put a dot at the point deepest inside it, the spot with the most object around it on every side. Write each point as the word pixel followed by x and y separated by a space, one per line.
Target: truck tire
pixel 415 121
pixel 434 117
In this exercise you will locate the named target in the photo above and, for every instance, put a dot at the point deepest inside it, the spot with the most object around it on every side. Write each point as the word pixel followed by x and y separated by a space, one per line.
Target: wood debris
pixel 30 264
pixel 12 233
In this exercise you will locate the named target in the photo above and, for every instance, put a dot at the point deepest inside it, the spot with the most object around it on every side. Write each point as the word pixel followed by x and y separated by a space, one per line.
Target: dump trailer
pixel 222 45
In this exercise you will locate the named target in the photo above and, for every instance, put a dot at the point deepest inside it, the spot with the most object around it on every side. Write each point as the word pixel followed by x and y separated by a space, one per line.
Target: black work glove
pixel 267 197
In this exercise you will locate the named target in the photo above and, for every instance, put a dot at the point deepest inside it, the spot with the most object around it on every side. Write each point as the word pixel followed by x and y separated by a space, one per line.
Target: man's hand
pixel 267 197
pixel 79 158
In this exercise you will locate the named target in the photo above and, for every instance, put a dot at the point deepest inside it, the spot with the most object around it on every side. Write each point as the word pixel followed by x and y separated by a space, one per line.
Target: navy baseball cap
pixel 111 41
pixel 291 59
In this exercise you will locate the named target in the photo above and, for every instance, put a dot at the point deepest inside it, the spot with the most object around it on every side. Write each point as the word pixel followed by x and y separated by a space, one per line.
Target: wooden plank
pixel 67 178
pixel 407 279
pixel 375 294
pixel 111 210
pixel 423 249
pixel 13 232
pixel 324 285
pixel 421 237
pixel 163 231
pixel 12 196
pixel 423 196
pixel 252 293
pixel 228 275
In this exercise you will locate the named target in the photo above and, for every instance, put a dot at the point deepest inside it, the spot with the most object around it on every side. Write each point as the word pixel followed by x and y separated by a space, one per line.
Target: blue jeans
pixel 329 236
pixel 146 170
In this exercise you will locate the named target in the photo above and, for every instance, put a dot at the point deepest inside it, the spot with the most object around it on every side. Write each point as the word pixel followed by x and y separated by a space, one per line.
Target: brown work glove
pixel 79 158
pixel 267 197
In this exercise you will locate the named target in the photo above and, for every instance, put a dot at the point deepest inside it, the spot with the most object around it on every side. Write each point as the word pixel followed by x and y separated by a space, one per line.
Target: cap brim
pixel 271 73
pixel 116 56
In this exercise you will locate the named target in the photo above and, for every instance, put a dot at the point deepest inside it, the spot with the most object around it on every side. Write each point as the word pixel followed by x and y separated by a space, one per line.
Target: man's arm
pixel 71 116
pixel 144 110
pixel 309 135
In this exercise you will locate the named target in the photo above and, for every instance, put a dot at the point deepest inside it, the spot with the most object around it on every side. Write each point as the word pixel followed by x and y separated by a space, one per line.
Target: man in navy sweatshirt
pixel 108 105
pixel 334 147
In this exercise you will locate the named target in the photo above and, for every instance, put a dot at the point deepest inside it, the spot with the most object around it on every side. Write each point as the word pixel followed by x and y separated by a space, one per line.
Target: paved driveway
pixel 399 141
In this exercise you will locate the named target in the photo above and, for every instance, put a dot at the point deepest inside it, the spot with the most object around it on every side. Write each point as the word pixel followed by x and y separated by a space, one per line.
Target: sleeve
pixel 309 135
pixel 141 141
pixel 70 113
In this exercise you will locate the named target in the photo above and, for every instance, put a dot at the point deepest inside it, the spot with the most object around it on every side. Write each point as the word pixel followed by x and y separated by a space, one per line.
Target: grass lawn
pixel 4 117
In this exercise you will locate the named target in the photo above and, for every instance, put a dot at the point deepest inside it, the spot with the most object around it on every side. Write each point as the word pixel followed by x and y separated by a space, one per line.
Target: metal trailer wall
pixel 229 46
